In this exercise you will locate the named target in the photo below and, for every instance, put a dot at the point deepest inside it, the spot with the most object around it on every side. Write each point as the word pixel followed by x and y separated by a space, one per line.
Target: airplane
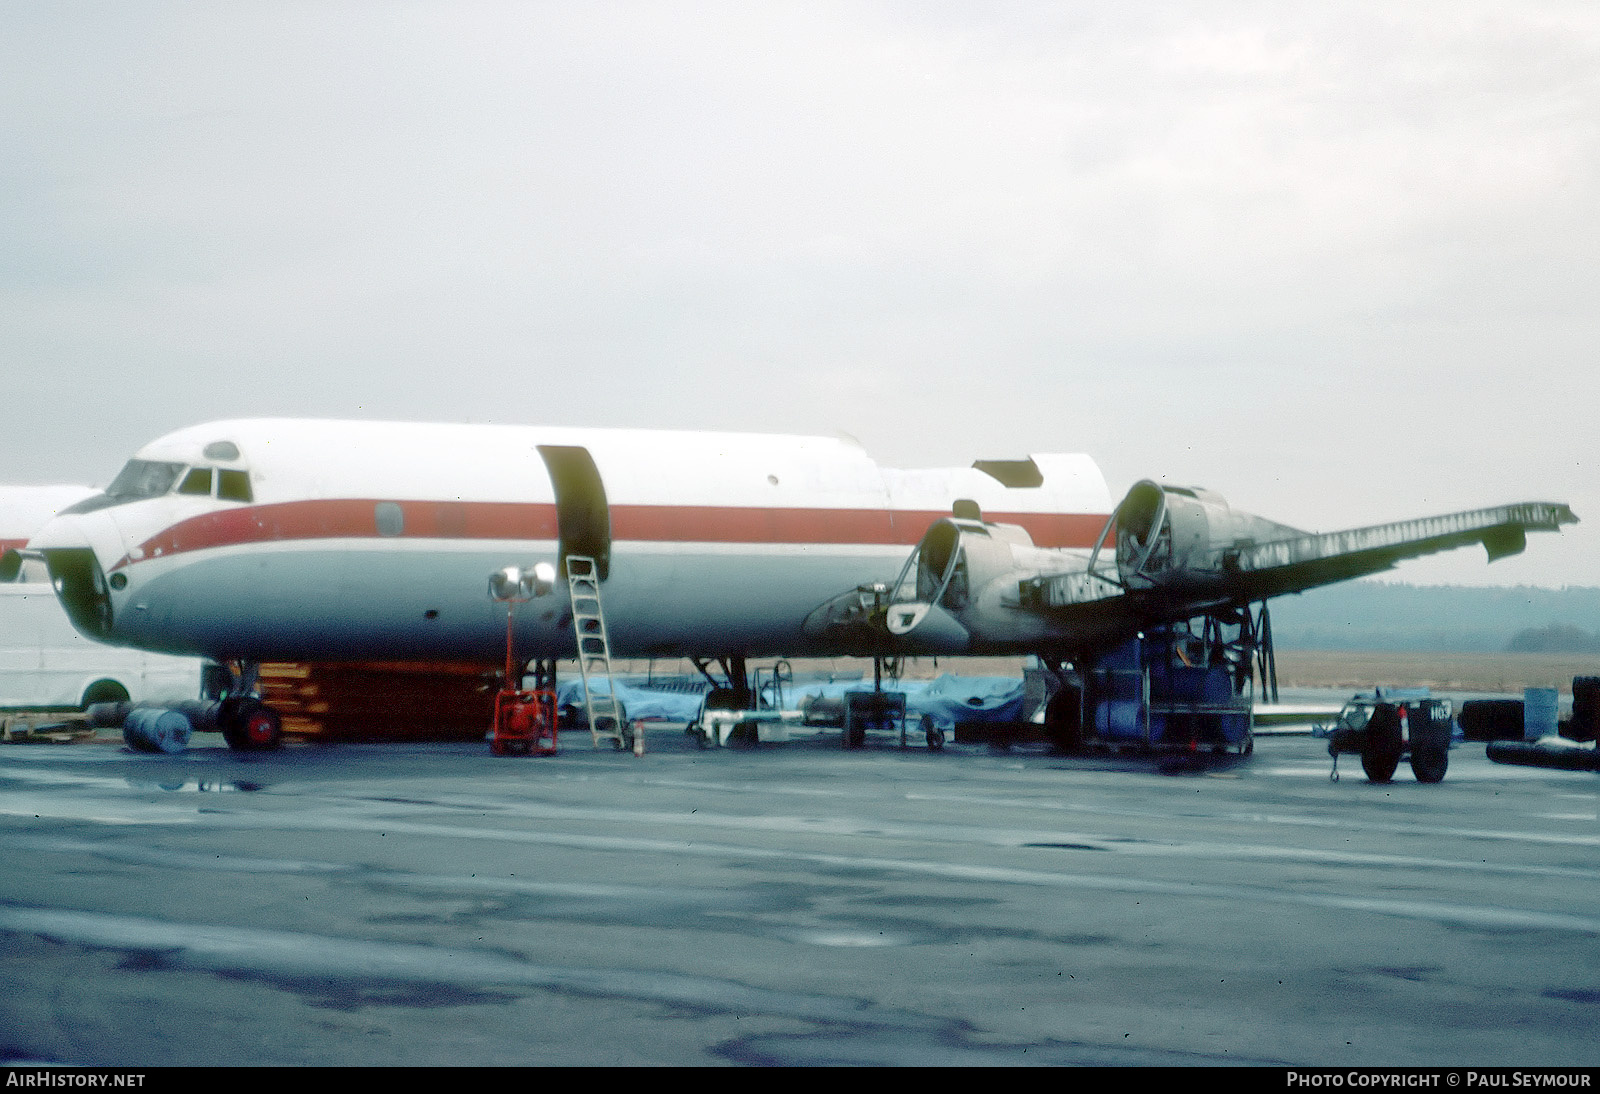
pixel 320 540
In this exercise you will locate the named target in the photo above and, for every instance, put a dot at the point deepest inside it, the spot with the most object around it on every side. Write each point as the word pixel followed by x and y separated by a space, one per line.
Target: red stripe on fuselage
pixel 732 524
pixel 352 519
pixel 358 519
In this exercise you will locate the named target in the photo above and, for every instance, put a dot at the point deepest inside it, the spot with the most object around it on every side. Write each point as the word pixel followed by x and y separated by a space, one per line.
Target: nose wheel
pixel 249 725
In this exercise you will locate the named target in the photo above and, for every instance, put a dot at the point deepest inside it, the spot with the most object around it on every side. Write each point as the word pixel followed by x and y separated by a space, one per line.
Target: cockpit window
pixel 197 481
pixel 143 479
pixel 233 485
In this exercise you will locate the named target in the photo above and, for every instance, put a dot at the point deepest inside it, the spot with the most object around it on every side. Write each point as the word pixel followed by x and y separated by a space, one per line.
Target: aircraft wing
pixel 1305 562
pixel 1179 553
pixel 1251 570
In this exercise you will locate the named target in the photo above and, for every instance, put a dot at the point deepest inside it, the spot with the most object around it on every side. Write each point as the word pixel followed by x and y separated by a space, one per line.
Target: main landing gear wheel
pixel 249 725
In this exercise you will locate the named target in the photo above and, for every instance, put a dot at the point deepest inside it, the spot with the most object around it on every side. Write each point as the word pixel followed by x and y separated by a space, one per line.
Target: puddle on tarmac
pixel 851 939
pixel 197 786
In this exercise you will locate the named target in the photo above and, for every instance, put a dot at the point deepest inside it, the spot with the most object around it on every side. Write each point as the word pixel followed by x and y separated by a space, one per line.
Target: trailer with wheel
pixel 1384 731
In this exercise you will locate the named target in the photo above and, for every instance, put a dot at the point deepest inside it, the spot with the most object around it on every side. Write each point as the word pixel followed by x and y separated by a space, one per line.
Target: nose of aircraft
pixel 60 532
pixel 78 549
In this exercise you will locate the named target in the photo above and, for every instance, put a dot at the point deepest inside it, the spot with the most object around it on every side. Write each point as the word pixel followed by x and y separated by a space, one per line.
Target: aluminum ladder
pixel 606 722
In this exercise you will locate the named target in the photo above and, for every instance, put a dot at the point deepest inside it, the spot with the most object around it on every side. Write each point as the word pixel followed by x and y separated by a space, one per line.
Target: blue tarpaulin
pixel 947 700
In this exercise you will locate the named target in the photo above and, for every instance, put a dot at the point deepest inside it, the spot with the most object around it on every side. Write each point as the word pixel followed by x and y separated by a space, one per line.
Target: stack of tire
pixel 1491 719
pixel 1585 723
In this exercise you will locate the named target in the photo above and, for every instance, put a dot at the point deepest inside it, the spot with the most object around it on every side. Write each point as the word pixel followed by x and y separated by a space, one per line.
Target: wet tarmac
pixel 790 904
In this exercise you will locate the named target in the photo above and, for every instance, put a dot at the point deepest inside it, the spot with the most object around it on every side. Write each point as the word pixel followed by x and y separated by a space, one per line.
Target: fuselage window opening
pixel 390 518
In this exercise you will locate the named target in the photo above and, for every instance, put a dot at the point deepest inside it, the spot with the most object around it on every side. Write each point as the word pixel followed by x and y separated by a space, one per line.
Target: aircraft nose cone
pixel 62 532
pixel 79 549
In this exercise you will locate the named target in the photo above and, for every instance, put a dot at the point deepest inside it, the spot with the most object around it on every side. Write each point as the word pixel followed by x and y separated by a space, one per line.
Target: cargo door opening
pixel 583 517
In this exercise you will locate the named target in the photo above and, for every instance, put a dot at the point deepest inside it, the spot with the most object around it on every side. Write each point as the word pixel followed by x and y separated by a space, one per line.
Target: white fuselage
pixel 328 540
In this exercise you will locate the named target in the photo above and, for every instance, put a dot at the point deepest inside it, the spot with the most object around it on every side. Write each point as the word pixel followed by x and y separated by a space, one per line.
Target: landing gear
pixel 249 725
pixel 732 692
pixel 729 692
pixel 877 709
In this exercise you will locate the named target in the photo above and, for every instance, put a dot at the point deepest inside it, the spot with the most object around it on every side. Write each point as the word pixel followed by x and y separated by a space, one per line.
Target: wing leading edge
pixel 1294 565
pixel 1247 570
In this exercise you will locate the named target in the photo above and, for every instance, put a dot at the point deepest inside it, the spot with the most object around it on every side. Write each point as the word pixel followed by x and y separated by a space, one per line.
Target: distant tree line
pixel 1377 615
pixel 1555 638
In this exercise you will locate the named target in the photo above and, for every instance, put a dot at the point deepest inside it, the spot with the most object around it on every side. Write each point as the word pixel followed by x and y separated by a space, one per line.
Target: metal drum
pixel 151 729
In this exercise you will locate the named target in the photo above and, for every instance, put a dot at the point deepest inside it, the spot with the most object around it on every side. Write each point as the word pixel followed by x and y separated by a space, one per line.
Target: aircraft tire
pixel 103 691
pixel 249 725
pixel 1429 763
pixel 932 734
pixel 1430 753
pixel 1380 753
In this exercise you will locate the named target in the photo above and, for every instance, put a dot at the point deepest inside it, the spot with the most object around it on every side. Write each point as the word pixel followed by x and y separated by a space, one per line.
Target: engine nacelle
pixel 1176 533
pixel 967 576
pixel 978 585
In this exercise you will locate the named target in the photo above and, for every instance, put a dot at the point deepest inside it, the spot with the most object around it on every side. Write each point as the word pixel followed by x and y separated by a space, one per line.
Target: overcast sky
pixel 1337 261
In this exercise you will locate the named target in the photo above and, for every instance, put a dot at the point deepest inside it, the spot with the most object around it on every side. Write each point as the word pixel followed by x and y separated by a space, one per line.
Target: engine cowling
pixel 977 584
pixel 967 573
pixel 1168 534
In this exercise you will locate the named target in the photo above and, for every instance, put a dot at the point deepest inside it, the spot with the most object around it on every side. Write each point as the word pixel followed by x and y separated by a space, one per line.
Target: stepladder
pixel 608 721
